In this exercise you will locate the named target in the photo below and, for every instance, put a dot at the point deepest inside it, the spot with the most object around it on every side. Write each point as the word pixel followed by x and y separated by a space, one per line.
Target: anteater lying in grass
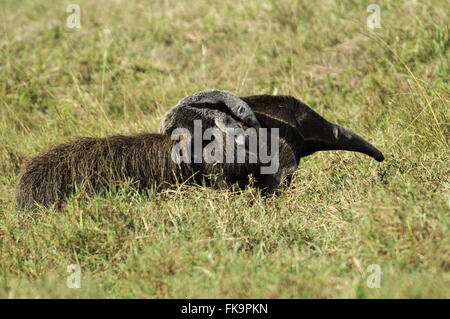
pixel 102 163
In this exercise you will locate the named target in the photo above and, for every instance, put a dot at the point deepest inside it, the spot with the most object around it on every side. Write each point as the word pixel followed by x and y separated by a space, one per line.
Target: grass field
pixel 130 62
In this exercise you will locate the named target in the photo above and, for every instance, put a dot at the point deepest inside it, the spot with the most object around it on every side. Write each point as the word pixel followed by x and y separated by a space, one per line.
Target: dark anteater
pixel 146 159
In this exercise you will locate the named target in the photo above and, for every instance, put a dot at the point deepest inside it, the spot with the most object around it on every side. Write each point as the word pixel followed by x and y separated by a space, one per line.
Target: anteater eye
pixel 241 110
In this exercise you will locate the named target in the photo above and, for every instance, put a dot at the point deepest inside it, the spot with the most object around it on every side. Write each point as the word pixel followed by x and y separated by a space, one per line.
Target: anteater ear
pixel 321 135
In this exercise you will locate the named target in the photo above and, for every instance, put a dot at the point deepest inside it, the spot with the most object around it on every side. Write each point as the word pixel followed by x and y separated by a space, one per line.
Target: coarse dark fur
pixel 304 130
pixel 102 162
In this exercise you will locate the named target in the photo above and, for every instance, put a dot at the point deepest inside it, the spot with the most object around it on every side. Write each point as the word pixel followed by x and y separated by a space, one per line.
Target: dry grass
pixel 130 62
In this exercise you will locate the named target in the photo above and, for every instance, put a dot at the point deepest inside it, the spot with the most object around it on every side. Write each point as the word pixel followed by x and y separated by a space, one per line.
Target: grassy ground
pixel 130 62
